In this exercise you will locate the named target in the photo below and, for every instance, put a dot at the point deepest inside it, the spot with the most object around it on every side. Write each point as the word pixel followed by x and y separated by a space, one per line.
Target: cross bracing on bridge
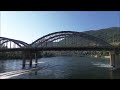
pixel 11 43
pixel 61 39
pixel 64 35
pixel 78 42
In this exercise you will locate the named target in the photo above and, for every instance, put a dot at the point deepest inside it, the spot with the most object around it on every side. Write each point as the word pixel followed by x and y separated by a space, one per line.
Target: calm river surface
pixel 61 68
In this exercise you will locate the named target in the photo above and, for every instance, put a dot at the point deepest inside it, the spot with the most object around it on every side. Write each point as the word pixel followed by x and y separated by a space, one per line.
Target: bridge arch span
pixel 63 34
pixel 10 43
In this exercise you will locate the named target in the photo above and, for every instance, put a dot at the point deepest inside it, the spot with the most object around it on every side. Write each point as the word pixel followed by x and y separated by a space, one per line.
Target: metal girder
pixel 17 42
pixel 54 36
pixel 46 38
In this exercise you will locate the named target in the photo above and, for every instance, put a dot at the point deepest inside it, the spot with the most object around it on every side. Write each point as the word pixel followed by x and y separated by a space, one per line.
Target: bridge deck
pixel 61 49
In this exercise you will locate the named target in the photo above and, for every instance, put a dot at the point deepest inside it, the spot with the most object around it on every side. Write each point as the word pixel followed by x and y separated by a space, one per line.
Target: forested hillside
pixel 109 34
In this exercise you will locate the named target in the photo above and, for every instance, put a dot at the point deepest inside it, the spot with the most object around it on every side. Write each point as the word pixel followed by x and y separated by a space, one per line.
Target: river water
pixel 60 68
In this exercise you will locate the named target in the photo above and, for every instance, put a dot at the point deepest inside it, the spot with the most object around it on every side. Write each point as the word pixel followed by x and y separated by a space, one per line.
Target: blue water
pixel 63 68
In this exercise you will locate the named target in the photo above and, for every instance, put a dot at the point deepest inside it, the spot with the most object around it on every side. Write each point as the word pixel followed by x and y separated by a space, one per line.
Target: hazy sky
pixel 31 25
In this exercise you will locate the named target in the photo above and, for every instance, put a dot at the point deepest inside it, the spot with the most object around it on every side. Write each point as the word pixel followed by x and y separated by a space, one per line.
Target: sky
pixel 28 26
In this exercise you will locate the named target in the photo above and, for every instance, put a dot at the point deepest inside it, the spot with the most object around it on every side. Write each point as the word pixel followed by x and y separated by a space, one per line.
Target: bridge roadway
pixel 106 48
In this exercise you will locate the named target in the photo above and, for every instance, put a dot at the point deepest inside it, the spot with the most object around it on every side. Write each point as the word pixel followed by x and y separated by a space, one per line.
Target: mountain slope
pixel 109 34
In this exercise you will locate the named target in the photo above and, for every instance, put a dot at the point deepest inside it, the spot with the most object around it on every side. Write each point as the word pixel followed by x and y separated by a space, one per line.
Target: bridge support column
pixel 24 60
pixel 36 61
pixel 30 57
pixel 115 59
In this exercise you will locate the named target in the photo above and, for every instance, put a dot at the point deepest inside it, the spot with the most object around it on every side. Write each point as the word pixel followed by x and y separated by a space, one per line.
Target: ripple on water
pixel 102 65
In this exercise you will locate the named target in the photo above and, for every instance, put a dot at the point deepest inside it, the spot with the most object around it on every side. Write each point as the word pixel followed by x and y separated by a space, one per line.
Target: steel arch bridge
pixel 59 41
pixel 12 43
pixel 69 38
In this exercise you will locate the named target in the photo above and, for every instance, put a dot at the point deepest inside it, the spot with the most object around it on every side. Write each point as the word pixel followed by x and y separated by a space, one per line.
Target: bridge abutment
pixel 115 59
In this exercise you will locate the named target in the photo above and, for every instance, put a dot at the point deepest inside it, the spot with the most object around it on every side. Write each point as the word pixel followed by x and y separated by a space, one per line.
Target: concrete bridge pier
pixel 30 57
pixel 36 60
pixel 115 59
pixel 24 60
pixel 27 55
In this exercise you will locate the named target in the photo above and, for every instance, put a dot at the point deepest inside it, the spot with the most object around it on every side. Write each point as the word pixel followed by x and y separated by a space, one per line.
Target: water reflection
pixel 2 67
pixel 111 74
pixel 63 68
pixel 11 74
pixel 36 72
